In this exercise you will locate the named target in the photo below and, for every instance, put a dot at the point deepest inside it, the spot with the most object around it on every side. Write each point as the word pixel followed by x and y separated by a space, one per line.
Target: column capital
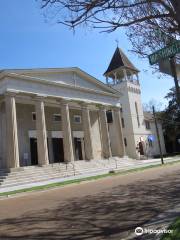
pixel 39 97
pixel 65 102
pixel 115 108
pixel 10 94
pixel 85 106
pixel 103 108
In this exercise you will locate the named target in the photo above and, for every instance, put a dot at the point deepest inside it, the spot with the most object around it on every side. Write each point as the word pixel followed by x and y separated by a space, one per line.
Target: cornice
pixel 48 82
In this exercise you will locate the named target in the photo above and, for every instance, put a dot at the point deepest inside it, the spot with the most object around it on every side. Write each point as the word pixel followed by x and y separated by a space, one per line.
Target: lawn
pixel 175 235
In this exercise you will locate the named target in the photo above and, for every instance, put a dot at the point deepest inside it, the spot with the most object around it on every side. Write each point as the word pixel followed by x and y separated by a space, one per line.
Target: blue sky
pixel 28 41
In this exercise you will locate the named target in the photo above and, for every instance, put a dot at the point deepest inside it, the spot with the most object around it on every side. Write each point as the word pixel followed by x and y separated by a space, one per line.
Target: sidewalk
pixel 161 222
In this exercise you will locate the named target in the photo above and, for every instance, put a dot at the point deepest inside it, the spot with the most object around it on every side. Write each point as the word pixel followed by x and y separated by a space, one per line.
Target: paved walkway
pixel 109 208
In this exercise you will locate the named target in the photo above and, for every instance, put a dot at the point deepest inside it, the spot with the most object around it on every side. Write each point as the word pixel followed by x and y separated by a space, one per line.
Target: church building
pixel 64 115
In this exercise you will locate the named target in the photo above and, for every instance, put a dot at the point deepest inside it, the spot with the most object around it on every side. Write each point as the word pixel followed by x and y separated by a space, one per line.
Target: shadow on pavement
pixel 113 214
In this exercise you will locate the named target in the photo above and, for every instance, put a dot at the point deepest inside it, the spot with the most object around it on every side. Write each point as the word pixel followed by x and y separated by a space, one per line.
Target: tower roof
pixel 119 59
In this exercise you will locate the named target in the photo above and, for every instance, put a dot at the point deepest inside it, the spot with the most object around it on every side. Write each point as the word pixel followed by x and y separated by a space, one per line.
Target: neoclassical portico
pixel 40 102
pixel 57 115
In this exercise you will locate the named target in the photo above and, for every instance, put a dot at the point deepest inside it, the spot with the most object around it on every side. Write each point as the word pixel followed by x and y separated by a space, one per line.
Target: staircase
pixel 34 174
pixel 25 177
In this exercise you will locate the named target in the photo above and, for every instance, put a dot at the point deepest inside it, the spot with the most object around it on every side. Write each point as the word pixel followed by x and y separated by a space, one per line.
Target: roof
pixel 119 59
pixel 148 116
pixel 23 73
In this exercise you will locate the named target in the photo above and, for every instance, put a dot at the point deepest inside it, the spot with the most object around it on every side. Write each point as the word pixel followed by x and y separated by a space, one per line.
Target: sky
pixel 29 41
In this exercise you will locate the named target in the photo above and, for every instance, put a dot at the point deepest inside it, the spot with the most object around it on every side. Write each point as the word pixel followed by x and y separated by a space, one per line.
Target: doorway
pixel 78 148
pixel 141 148
pixel 34 152
pixel 58 149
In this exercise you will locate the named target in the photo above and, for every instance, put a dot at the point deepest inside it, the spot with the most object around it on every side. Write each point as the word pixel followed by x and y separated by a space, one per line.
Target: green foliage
pixel 175 235
pixel 171 117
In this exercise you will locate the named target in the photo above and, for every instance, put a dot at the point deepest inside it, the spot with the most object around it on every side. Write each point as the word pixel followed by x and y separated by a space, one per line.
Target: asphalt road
pixel 110 208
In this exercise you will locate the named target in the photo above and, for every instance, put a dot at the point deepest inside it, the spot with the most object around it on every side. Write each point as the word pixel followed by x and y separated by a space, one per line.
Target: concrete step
pixel 16 183
pixel 39 170
pixel 35 174
pixel 29 175
pixel 32 176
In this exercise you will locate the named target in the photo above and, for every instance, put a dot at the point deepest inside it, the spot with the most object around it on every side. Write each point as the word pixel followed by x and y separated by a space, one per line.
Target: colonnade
pixel 42 148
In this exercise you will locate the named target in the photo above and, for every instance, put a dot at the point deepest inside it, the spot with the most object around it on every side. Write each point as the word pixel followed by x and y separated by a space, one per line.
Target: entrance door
pixel 58 150
pixel 34 153
pixel 78 148
pixel 141 149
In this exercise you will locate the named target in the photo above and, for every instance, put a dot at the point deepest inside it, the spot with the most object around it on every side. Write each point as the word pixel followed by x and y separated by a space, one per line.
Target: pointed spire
pixel 118 60
pixel 117 42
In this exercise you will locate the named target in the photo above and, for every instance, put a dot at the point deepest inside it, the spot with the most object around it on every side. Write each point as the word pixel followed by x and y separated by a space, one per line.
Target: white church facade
pixel 63 115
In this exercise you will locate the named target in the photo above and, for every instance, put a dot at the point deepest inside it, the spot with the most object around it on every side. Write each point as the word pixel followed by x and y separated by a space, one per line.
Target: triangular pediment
pixel 73 77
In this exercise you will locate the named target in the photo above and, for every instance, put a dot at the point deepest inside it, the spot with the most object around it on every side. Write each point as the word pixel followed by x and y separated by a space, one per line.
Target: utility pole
pixel 158 137
pixel 174 74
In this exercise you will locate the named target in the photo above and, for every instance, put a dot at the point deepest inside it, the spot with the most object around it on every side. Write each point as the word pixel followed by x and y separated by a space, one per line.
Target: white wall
pixel 132 132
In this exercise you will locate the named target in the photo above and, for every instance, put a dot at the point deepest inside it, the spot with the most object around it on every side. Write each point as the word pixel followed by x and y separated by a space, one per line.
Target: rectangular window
pixel 147 124
pixel 109 116
pixel 33 116
pixel 57 117
pixel 77 119
pixel 122 122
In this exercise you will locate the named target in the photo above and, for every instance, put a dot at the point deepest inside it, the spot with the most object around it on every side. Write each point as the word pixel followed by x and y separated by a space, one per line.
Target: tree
pixel 171 120
pixel 150 24
pixel 147 107
pixel 141 18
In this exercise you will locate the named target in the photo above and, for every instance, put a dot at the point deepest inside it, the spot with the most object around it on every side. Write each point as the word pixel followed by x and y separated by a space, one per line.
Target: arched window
pixel 125 142
pixel 137 114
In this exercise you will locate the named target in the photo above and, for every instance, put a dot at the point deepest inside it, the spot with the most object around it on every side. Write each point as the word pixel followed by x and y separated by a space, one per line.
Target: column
pixel 121 150
pixel 107 81
pixel 106 148
pixel 67 135
pixel 12 149
pixel 125 74
pixel 43 158
pixel 87 133
pixel 50 148
pixel 115 77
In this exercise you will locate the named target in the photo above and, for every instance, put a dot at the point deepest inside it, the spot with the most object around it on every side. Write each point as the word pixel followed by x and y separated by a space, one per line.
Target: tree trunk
pixel 176 5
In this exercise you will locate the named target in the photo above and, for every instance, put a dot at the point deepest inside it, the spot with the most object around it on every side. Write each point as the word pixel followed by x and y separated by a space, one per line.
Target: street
pixel 109 208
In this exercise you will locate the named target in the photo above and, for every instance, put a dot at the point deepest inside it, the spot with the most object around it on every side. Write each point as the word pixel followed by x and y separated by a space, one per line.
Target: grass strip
pixel 75 181
pixel 175 227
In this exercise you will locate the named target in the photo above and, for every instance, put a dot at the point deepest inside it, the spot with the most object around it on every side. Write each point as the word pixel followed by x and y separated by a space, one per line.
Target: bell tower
pixel 122 75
